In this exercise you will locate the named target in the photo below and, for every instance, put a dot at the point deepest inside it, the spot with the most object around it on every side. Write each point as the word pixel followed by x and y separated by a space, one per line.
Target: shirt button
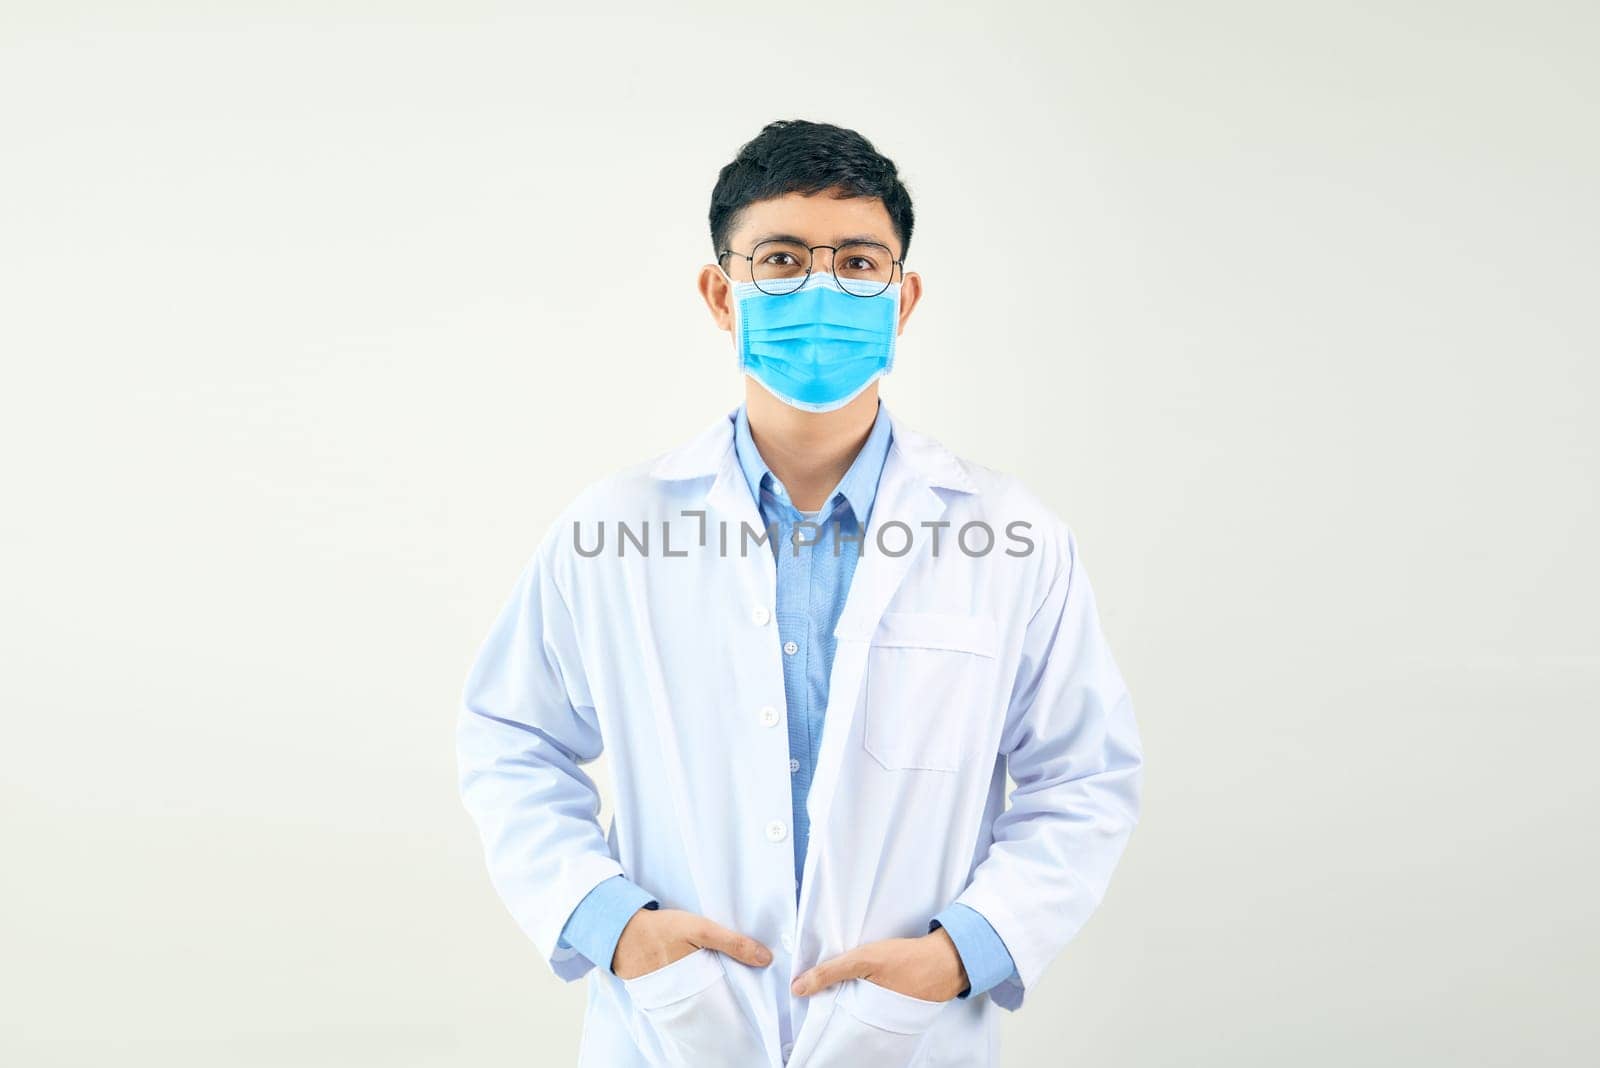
pixel 790 648
pixel 788 1048
pixel 794 766
pixel 760 617
pixel 769 716
pixel 777 831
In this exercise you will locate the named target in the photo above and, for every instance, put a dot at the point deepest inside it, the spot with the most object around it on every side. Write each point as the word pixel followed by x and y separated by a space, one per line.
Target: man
pixel 813 644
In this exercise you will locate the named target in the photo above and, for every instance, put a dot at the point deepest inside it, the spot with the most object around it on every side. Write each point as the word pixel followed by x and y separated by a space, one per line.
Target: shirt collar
pixel 859 486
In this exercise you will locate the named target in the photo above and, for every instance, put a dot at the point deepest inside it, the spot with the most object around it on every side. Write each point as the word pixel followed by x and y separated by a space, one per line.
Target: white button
pixel 788 1048
pixel 788 941
pixel 760 617
pixel 790 648
pixel 769 716
pixel 794 766
pixel 777 831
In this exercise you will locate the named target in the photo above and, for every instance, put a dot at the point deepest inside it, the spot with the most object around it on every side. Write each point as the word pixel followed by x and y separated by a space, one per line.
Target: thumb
pixel 829 972
pixel 742 948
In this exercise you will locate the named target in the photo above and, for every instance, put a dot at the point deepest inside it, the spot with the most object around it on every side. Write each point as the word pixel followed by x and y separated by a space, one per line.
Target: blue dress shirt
pixel 816 555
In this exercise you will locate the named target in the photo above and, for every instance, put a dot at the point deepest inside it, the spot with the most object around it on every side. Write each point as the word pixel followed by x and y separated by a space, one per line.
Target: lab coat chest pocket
pixel 928 690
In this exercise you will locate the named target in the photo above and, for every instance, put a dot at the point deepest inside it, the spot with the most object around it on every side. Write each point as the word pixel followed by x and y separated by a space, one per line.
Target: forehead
pixel 820 219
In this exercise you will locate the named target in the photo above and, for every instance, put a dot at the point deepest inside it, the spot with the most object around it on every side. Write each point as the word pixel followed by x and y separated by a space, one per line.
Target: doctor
pixel 812 644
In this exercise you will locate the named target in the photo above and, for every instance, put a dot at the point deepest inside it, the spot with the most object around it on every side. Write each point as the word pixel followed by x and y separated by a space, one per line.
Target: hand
pixel 928 968
pixel 654 938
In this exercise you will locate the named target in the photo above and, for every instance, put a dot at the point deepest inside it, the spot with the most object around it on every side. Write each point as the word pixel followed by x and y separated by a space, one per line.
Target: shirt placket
pixel 794 616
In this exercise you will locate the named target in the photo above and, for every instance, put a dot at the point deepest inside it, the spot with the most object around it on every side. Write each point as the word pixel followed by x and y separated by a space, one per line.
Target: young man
pixel 813 643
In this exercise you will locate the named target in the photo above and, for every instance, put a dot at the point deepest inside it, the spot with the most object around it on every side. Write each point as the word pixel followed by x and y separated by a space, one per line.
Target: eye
pixel 858 263
pixel 782 259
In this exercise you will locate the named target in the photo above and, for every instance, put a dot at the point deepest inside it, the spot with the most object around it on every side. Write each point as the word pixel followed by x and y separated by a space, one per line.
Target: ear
pixel 717 291
pixel 910 293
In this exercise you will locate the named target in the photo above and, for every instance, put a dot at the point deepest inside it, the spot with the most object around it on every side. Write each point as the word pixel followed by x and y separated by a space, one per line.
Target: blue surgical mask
pixel 817 348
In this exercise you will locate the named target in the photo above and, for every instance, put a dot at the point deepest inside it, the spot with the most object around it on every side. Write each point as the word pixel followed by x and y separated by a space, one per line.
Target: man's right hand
pixel 654 938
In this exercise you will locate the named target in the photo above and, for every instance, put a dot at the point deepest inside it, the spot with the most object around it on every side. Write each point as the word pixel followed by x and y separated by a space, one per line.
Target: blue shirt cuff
pixel 983 954
pixel 596 924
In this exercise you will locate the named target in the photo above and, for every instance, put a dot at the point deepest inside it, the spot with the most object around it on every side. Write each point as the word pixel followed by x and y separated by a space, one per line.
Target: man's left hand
pixel 928 968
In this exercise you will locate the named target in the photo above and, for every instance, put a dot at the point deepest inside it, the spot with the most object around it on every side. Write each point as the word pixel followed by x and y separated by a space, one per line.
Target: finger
pixel 820 977
pixel 742 948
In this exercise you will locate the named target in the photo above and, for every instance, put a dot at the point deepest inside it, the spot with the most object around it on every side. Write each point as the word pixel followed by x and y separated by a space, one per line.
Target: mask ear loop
pixel 894 335
pixel 738 320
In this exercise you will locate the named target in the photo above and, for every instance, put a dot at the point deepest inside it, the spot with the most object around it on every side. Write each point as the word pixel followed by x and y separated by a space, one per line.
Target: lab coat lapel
pixel 729 506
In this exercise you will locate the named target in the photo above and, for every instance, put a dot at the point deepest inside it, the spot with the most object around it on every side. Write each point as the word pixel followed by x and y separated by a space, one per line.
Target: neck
pixel 809 452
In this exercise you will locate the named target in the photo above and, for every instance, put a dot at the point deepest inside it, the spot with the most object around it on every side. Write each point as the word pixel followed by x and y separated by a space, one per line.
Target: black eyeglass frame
pixel 833 268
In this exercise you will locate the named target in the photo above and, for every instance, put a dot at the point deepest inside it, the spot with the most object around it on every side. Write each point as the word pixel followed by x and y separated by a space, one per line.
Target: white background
pixel 313 315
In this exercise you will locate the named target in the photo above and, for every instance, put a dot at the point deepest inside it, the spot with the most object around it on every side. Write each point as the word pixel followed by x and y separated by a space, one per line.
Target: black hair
pixel 796 156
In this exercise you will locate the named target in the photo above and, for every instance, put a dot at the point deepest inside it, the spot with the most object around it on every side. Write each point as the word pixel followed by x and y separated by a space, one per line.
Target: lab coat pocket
pixel 873 1025
pixel 928 683
pixel 693 1012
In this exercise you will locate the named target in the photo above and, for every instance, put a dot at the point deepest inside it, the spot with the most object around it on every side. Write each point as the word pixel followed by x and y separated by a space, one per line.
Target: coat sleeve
pixel 527 725
pixel 1073 751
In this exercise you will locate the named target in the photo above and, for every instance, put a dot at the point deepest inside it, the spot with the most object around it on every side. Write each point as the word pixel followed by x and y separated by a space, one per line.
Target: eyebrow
pixel 853 239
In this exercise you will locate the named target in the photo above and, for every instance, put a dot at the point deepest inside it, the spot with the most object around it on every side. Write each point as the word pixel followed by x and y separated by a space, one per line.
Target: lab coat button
pixel 769 716
pixel 777 831
pixel 760 617
pixel 788 942
pixel 790 648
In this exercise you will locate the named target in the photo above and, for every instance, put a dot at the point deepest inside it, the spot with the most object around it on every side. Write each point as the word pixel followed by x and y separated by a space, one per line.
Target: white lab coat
pixel 951 669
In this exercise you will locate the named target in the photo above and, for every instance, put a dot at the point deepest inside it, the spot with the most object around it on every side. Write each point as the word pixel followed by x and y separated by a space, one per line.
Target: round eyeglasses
pixel 862 268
